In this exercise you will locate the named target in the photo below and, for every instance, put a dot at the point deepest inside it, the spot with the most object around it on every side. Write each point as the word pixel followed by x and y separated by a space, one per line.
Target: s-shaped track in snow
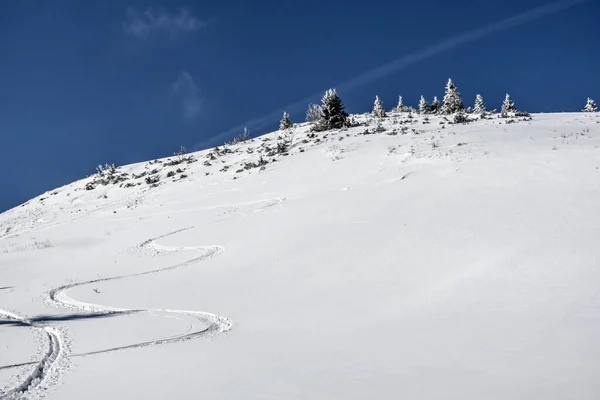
pixel 202 324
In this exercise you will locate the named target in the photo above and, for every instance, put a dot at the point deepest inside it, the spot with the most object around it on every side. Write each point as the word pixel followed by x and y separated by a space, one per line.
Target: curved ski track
pixel 43 367
pixel 202 324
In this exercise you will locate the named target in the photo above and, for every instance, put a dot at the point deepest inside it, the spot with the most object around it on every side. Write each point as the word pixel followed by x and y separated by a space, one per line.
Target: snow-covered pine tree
pixel 469 110
pixel 435 105
pixel 378 110
pixel 452 101
pixel 590 106
pixel 285 122
pixel 400 107
pixel 507 106
pixel 423 106
pixel 479 107
pixel 333 112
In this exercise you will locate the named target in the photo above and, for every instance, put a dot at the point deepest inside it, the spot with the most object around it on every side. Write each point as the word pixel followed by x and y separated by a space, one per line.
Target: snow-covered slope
pixel 428 260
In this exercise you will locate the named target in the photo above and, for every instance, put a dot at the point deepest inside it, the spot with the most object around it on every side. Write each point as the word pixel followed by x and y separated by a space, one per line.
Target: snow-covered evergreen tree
pixel 333 113
pixel 285 122
pixel 378 110
pixel 479 107
pixel 507 106
pixel 590 106
pixel 452 101
pixel 423 106
pixel 435 105
pixel 400 107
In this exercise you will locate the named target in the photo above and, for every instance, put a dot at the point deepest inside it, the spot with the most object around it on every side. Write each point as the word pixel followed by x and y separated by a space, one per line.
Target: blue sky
pixel 83 83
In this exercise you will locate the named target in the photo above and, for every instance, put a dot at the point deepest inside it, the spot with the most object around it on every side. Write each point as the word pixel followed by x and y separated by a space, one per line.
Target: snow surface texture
pixel 404 258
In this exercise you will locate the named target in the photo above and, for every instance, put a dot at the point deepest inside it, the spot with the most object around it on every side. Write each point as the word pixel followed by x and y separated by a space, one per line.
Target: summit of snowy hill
pixel 403 255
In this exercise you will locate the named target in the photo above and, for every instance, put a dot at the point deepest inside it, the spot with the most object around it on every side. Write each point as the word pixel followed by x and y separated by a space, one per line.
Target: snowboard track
pixel 206 325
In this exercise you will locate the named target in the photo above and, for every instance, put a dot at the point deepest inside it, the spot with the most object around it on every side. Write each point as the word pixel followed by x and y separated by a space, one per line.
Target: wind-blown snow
pixel 442 261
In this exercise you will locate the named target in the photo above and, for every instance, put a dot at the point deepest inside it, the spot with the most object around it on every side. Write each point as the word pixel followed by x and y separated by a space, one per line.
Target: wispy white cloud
pixel 185 89
pixel 142 24
pixel 406 61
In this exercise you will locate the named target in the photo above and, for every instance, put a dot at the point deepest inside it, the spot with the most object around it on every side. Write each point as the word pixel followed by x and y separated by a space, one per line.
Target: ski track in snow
pixel 201 324
pixel 44 367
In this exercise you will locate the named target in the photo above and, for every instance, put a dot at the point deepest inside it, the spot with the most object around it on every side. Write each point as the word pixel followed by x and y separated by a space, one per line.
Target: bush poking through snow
pixel 479 107
pixel 435 106
pixel 152 180
pixel 379 128
pixel 452 101
pixel 181 156
pixel 400 107
pixel 282 147
pixel 313 114
pixel 242 137
pixel 106 175
pixel 261 162
pixel 460 118
pixel 590 106
pixel 508 105
pixel 378 110
pixel 423 106
pixel 285 122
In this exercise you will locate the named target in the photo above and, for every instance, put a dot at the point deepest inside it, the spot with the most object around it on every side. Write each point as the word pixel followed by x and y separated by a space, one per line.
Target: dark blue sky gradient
pixel 77 88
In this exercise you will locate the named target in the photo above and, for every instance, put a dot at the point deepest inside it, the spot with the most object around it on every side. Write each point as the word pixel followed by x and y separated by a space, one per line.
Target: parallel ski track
pixel 203 324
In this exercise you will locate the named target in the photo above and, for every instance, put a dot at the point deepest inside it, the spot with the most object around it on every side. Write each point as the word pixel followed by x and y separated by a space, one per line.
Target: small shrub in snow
pixel 282 147
pixel 400 107
pixel 285 122
pixel 261 162
pixel 170 174
pixel 379 128
pixel 314 113
pixel 242 137
pixel 378 110
pixel 435 106
pixel 152 179
pixel 106 175
pixel 452 101
pixel 140 175
pixel 460 118
pixel 590 106
pixel 351 123
pixel 479 107
pixel 181 156
pixel 423 106
pixel 508 105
